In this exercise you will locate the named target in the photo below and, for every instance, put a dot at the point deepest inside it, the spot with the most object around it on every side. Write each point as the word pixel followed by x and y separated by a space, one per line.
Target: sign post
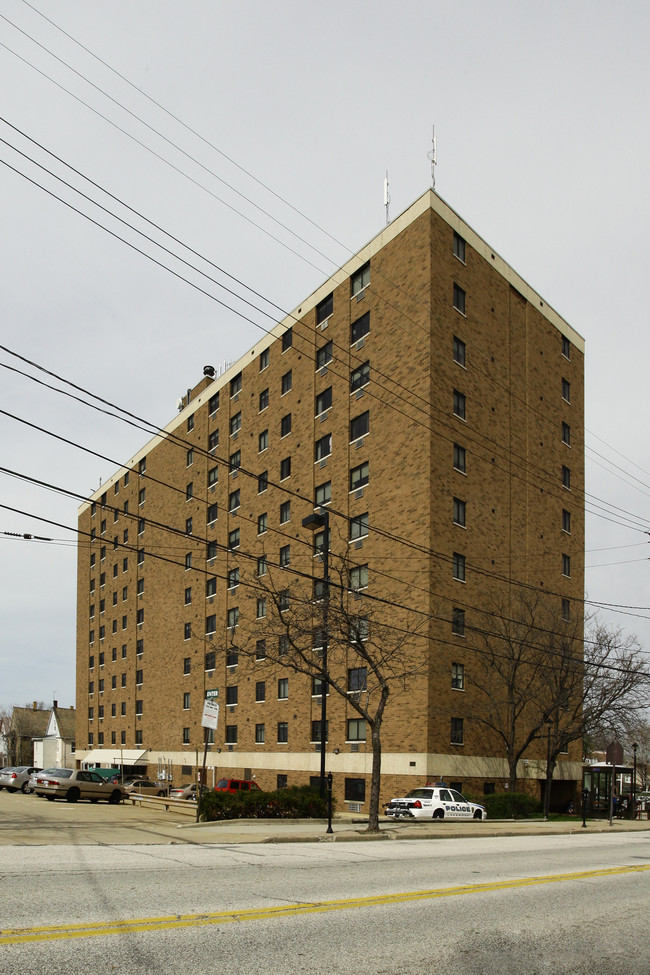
pixel 210 719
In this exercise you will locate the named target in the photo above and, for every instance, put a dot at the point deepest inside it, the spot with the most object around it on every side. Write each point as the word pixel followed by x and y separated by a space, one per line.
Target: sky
pixel 259 135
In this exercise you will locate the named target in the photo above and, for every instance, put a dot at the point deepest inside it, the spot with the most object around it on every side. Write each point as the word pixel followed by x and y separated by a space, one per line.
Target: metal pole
pixel 201 783
pixel 329 803
pixel 634 748
pixel 325 682
pixel 547 791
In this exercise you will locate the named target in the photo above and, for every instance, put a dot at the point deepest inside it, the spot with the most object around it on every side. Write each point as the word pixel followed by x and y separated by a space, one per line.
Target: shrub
pixel 510 805
pixel 298 802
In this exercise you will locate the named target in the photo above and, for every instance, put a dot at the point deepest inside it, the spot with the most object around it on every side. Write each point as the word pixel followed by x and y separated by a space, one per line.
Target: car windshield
pixel 457 797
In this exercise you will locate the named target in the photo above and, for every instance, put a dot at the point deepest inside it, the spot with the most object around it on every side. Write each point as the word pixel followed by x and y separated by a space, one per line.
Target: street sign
pixel 210 717
pixel 212 694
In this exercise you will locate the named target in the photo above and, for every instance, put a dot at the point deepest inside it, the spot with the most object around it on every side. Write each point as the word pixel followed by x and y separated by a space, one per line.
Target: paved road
pixel 529 904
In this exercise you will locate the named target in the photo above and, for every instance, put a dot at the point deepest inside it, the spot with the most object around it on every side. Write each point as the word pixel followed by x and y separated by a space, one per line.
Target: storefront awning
pixel 115 756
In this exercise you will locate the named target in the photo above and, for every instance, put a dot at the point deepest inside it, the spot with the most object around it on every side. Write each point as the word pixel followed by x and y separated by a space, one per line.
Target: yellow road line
pixel 13 936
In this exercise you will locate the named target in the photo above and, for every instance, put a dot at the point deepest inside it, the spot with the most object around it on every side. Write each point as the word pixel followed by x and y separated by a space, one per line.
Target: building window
pixel 232 695
pixel 285 468
pixel 457 731
pixel 287 339
pixel 458 563
pixel 283 645
pixel 260 691
pixel 210 625
pixel 359 527
pixel 566 609
pixel 213 404
pixel 459 512
pixel 285 556
pixel 213 476
pixel 139 676
pixel 262 521
pixel 323 447
pixel 283 689
pixel 360 328
pixel 189 491
pixel 316 730
pixel 210 660
pixel 357 679
pixel 231 734
pixel 360 377
pixel 458 677
pixel 459 404
pixel 566 565
pixel 186 736
pixel 566 521
pixel 283 732
pixel 458 621
pixel 566 390
pixel 283 600
pixel 188 526
pixel 285 512
pixel 211 586
pixel 235 384
pixel 188 560
pixel 356 729
pixel 142 495
pixel 261 566
pixel 285 425
pixel 233 501
pixel 235 424
pixel 263 441
pixel 213 512
pixel 324 355
pixel 264 400
pixel 566 347
pixel 139 707
pixel 260 650
pixel 211 551
pixel 360 279
pixel 189 460
pixel 566 477
pixel 139 648
pixel 324 309
pixel 359 578
pixel 232 658
pixel 264 360
pixel 459 299
pixel 459 247
pixel 323 401
pixel 359 426
pixel 459 351
pixel 232 617
pixel 233 578
pixel 139 618
pixel 190 423
pixel 259 734
pixel 261 608
pixel 323 494
pixel 213 441
pixel 235 461
pixel 566 434
pixel 187 631
pixel 287 382
pixel 262 482
pixel 360 476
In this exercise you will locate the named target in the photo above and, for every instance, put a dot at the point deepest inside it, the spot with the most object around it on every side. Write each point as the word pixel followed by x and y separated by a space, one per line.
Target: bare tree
pixel 371 645
pixel 542 680
pixel 509 671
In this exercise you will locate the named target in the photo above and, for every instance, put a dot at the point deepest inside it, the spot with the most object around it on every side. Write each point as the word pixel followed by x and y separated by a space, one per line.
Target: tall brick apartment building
pixel 434 402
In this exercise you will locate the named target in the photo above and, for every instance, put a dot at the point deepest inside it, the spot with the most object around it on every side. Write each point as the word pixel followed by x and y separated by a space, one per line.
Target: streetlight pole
pixel 322 520
pixel 634 748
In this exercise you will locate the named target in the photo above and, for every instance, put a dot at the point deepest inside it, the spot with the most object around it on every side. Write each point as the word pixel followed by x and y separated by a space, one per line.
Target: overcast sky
pixel 251 131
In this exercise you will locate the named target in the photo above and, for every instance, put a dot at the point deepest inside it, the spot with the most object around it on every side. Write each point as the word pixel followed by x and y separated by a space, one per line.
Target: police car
pixel 434 802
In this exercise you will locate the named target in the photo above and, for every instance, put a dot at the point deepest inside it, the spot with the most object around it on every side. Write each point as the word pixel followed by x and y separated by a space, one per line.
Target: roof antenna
pixel 433 156
pixel 386 198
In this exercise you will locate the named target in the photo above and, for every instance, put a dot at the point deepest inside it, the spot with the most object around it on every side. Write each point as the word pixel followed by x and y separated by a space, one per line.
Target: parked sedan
pixel 7 768
pixel 434 802
pixel 145 787
pixel 13 779
pixel 73 784
pixel 184 792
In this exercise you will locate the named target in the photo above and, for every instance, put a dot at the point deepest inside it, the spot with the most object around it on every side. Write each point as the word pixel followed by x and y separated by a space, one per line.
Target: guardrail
pixel 185 806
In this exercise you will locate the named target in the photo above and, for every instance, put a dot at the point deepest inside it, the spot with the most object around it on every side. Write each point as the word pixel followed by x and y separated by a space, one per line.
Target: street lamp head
pixel 319 519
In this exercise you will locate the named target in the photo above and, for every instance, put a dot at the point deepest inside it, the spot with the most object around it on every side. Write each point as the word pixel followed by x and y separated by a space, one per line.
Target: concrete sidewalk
pixel 350 828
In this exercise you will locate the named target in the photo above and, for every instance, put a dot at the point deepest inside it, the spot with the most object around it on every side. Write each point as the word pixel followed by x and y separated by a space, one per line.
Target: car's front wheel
pixel 25 788
pixel 73 794
pixel 115 797
pixel 439 814
pixel 478 814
